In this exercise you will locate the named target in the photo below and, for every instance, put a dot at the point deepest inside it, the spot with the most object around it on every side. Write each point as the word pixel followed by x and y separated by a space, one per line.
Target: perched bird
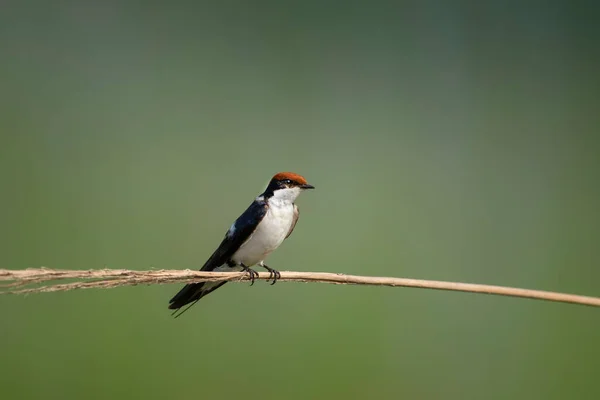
pixel 264 225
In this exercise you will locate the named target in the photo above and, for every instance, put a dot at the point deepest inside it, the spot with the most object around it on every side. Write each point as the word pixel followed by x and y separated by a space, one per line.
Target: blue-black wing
pixel 239 232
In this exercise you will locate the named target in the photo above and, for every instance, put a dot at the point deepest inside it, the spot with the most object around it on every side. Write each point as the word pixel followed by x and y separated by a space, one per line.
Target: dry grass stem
pixel 20 282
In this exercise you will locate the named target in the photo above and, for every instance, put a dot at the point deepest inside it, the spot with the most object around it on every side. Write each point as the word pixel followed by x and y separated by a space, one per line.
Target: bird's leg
pixel 253 274
pixel 273 273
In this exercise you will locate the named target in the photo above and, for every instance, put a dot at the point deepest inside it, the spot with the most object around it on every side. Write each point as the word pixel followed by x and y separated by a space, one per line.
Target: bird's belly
pixel 269 234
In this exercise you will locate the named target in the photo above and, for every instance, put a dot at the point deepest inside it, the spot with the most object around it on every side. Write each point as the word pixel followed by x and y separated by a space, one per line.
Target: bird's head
pixel 287 186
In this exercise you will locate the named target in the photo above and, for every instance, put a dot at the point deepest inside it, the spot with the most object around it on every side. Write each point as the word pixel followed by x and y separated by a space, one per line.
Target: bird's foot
pixel 273 274
pixel 253 274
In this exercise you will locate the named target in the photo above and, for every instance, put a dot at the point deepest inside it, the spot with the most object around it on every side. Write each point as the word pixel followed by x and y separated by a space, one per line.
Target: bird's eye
pixel 287 181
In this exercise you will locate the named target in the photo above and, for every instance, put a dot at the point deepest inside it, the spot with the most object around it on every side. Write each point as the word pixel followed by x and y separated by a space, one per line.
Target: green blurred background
pixel 447 140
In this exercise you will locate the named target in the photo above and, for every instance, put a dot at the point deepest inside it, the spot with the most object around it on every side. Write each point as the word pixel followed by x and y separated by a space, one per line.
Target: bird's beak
pixel 307 186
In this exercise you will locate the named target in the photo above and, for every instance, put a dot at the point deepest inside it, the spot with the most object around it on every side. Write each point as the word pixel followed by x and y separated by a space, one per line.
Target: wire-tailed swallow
pixel 261 229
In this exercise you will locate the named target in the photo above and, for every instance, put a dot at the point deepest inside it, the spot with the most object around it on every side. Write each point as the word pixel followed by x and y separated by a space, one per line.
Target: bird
pixel 261 229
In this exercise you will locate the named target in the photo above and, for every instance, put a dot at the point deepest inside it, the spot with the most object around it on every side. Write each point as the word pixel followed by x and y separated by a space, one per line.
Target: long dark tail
pixel 191 293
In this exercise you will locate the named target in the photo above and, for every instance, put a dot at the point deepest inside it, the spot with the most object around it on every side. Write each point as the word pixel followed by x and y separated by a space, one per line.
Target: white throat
pixel 285 196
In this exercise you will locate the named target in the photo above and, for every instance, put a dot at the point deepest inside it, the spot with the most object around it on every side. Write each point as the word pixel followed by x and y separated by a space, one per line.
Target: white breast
pixel 269 234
